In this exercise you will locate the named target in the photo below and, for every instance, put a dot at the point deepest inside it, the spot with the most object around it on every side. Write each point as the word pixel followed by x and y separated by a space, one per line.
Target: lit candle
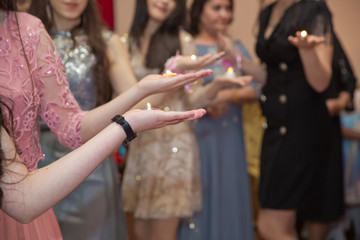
pixel 168 73
pixel 230 73
pixel 148 106
pixel 193 57
pixel 303 34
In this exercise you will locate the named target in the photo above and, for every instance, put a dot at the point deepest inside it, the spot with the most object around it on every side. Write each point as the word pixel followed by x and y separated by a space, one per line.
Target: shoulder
pixel 26 20
pixel 312 7
pixel 116 49
pixel 267 7
pixel 185 36
pixel 186 39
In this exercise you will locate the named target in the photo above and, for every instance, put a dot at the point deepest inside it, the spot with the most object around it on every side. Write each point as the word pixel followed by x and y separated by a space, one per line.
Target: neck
pixel 151 27
pixel 205 37
pixel 61 24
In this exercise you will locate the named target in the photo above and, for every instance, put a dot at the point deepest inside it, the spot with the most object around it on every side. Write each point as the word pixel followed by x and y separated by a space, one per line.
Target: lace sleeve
pixel 58 107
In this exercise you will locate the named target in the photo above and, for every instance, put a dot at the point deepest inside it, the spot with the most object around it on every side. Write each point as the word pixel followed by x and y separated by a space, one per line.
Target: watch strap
pixel 130 134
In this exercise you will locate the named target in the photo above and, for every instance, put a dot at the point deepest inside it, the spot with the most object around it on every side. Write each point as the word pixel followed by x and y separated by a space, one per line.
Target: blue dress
pixel 226 212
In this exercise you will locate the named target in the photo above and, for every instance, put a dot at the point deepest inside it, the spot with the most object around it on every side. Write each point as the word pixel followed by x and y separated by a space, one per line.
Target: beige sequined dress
pixel 162 175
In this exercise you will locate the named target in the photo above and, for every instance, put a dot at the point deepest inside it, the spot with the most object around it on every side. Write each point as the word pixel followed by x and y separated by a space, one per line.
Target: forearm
pixel 97 119
pixel 41 189
pixel 317 66
pixel 203 96
pixel 254 69
pixel 236 95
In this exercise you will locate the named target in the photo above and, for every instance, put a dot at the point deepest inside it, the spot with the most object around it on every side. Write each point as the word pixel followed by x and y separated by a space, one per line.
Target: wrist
pixel 140 92
pixel 130 134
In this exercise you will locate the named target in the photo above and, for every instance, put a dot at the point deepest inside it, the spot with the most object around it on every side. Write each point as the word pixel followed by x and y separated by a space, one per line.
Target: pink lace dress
pixel 44 93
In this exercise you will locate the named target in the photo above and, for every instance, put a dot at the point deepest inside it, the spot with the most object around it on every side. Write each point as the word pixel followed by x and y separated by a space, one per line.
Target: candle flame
pixel 230 70
pixel 168 73
pixel 148 105
pixel 193 57
pixel 303 33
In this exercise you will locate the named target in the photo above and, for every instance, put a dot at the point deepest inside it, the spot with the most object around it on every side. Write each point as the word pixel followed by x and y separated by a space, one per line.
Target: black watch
pixel 130 135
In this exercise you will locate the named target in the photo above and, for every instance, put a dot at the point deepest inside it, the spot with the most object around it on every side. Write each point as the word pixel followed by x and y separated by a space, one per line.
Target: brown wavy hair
pixel 196 10
pixel 92 25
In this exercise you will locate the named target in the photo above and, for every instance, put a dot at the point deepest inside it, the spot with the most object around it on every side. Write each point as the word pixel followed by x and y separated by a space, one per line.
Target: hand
pixel 334 106
pixel 238 81
pixel 309 41
pixel 217 110
pixel 142 120
pixel 186 63
pixel 225 44
pixel 156 83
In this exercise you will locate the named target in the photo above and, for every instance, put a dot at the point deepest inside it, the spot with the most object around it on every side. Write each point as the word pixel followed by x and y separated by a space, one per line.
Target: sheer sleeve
pixel 314 17
pixel 58 107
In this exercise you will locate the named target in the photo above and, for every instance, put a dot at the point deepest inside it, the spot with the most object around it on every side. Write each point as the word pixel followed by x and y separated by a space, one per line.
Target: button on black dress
pixel 297 138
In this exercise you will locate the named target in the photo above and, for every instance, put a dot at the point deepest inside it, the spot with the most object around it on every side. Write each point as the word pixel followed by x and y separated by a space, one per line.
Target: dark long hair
pixel 165 41
pixel 196 10
pixel 92 25
pixel 6 104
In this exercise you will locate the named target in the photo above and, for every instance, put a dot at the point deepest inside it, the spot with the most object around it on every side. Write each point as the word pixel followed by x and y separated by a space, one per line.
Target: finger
pixel 293 40
pixel 203 73
pixel 220 54
pixel 176 117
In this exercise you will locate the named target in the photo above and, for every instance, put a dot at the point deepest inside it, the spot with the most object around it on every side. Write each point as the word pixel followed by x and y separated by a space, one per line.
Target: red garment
pixel 106 10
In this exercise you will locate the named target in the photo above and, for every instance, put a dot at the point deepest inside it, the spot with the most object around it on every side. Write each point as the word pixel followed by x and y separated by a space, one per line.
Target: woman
pixel 226 212
pixel 161 183
pixel 295 43
pixel 97 67
pixel 32 77
pixel 26 195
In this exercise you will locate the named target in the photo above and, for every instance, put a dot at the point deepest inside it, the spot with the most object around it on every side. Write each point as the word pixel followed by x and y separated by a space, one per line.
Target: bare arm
pixel 121 74
pixel 29 194
pixel 97 119
pixel 236 95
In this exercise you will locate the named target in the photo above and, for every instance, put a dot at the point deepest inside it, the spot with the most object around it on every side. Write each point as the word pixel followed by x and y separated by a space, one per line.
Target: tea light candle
pixel 168 73
pixel 230 73
pixel 148 107
pixel 303 34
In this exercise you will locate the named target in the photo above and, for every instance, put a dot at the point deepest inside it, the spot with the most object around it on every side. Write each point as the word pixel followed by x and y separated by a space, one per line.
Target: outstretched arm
pixel 98 118
pixel 24 199
pixel 316 58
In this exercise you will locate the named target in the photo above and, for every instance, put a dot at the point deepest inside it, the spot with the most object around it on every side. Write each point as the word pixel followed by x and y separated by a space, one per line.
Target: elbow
pixel 22 217
pixel 323 85
pixel 23 214
pixel 25 219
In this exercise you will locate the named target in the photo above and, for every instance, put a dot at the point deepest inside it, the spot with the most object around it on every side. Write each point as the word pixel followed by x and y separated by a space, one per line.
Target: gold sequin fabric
pixel 162 175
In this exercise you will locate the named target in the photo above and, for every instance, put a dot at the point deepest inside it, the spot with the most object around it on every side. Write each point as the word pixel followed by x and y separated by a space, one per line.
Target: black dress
pixel 297 139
